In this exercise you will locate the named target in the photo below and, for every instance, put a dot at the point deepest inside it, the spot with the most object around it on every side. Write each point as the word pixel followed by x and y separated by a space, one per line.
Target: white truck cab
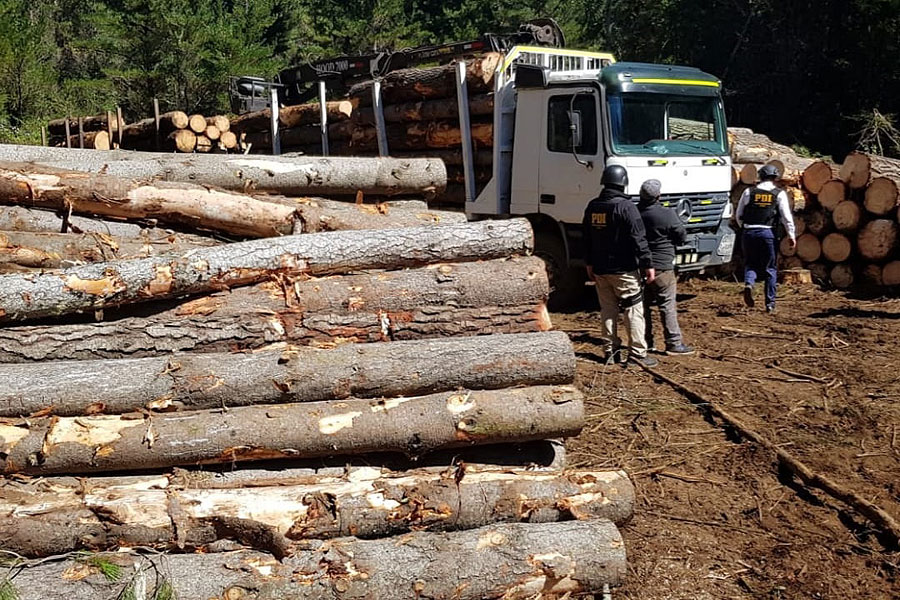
pixel 562 115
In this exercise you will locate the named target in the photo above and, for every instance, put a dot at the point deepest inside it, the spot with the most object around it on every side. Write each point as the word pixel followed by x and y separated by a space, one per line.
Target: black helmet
pixel 767 173
pixel 615 176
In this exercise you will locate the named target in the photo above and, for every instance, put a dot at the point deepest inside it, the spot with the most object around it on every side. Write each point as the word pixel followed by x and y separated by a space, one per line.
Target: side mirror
pixel 575 128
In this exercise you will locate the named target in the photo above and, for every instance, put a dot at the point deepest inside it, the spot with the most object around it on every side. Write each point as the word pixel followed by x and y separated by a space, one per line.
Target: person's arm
pixel 787 219
pixel 677 232
pixel 638 236
pixel 742 204
pixel 586 241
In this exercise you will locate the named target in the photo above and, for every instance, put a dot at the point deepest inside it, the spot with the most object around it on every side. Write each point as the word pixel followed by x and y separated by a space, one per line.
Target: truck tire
pixel 567 289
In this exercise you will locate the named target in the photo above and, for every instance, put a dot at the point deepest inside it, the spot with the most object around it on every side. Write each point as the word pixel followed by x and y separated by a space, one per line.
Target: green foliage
pixel 8 591
pixel 878 133
pixel 110 570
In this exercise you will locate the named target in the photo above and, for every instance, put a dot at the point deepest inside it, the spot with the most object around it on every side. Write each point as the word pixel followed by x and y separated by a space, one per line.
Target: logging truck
pixel 534 128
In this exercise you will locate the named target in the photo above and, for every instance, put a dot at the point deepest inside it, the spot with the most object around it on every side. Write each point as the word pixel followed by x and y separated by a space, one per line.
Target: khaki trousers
pixel 610 290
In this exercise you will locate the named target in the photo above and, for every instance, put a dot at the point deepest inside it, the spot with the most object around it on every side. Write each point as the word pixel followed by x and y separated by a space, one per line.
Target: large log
pixel 285 374
pixel 220 122
pixel 809 249
pixel 185 204
pixel 181 140
pixel 846 216
pixel 318 214
pixel 877 240
pixel 228 140
pixel 832 193
pixel 429 135
pixel 57 127
pixel 501 296
pixel 882 195
pixel 451 158
pixel 873 275
pixel 293 116
pixel 299 136
pixel 307 176
pixel 818 174
pixel 817 222
pixel 100 285
pixel 18 218
pixel 414 426
pixel 166 512
pixel 203 144
pixel 93 140
pixel 890 275
pixel 413 85
pixel 142 134
pixel 842 276
pixel 836 247
pixel 429 110
pixel 197 123
pixel 860 168
pixel 513 561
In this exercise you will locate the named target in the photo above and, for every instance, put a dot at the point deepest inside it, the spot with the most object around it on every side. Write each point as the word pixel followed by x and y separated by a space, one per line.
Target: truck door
pixel 570 170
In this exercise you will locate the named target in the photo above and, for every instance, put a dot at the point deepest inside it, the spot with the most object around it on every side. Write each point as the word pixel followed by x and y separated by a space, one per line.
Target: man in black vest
pixel 617 255
pixel 757 213
pixel 665 231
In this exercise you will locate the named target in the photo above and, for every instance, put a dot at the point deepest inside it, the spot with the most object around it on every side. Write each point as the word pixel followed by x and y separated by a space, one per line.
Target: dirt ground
pixel 714 518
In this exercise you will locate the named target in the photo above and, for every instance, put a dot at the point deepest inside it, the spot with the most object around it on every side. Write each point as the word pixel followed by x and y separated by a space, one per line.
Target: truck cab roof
pixel 624 77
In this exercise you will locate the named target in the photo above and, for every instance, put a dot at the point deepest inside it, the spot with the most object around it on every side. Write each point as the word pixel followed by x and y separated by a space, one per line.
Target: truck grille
pixel 704 214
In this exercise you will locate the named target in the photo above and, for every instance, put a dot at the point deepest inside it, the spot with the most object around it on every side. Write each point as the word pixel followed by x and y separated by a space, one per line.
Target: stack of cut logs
pixel 846 215
pixel 421 117
pixel 178 132
pixel 350 400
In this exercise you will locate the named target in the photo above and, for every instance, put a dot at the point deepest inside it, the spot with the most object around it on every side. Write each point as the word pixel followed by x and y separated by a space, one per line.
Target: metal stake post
pixel 380 129
pixel 81 132
pixel 323 118
pixel 276 138
pixel 465 128
pixel 68 133
pixel 156 120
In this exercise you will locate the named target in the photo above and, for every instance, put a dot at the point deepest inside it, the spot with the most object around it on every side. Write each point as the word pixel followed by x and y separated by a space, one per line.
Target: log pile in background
pixel 846 215
pixel 357 407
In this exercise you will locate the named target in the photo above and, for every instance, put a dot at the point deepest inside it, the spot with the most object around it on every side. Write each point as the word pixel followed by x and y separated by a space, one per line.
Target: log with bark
pixel 841 276
pixel 883 195
pixel 298 136
pixel 182 140
pixel 196 123
pixel 414 426
pixel 293 116
pixel 315 215
pixel 290 176
pixel 860 168
pixel 429 110
pixel 500 296
pixel 809 249
pixel 93 140
pixel 228 140
pixel 451 158
pixel 836 247
pixel 285 374
pixel 203 144
pixel 818 174
pixel 57 127
pixel 512 561
pixel 877 240
pixel 100 285
pixel 18 218
pixel 428 135
pixel 414 85
pixel 220 122
pixel 212 133
pixel 832 193
pixel 795 276
pixel 846 216
pixel 167 512
pixel 142 134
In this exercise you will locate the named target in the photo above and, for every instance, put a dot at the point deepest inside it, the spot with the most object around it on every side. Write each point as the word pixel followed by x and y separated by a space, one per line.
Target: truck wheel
pixel 567 289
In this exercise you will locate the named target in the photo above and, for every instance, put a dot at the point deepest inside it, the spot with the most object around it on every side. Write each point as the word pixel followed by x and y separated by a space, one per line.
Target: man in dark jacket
pixel 617 254
pixel 664 232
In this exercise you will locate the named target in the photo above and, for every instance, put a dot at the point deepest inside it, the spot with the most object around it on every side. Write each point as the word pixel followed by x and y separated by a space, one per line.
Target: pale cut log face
pixel 882 196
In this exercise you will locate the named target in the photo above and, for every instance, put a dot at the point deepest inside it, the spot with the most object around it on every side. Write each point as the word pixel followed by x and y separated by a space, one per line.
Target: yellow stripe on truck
pixel 676 81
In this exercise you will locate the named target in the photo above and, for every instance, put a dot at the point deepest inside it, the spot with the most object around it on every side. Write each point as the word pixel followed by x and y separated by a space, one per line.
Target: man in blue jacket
pixel 665 232
pixel 618 259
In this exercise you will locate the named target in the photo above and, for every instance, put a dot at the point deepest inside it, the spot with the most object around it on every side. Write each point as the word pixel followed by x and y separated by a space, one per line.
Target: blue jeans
pixel 759 260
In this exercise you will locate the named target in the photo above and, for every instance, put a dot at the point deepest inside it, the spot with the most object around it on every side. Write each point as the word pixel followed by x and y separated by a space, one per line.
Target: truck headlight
pixel 726 245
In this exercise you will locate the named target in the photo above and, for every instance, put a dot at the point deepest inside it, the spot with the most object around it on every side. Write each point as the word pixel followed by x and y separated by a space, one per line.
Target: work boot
pixel 748 296
pixel 770 308
pixel 646 361
pixel 679 350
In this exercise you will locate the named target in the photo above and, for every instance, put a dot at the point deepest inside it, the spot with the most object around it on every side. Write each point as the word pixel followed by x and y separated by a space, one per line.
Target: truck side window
pixel 559 136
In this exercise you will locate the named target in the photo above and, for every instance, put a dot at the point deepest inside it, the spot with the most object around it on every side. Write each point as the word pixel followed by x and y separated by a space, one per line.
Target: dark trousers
pixel 759 260
pixel 662 293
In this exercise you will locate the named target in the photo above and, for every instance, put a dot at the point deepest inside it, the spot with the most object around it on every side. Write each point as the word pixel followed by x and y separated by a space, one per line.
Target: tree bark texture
pixel 18 218
pixel 451 158
pixel 285 374
pixel 414 426
pixel 877 240
pixel 201 270
pixel 143 133
pixel 185 204
pixel 306 135
pixel 428 135
pixel 57 127
pixel 414 85
pixel 818 174
pixel 429 110
pixel 293 116
pixel 36 519
pixel 860 168
pixel 306 176
pixel 501 296
pixel 514 561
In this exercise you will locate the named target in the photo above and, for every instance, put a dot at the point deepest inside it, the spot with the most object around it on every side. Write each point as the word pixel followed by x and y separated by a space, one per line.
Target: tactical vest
pixel 762 209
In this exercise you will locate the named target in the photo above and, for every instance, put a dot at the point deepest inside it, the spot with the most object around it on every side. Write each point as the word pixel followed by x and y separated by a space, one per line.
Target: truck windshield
pixel 643 123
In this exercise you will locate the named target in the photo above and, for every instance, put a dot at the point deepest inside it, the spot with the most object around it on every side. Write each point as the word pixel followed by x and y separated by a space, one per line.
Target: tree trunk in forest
pixel 809 249
pixel 842 276
pixel 291 176
pixel 429 110
pixel 293 116
pixel 220 122
pixel 160 511
pixel 512 561
pixel 877 240
pixel 184 204
pixel 57 127
pixel 285 374
pixel 414 426
pixel 60 250
pixel 882 195
pixel 890 275
pixel 100 285
pixel 418 134
pixel 818 174
pixel 413 85
pixel 500 296
pixel 836 247
pixel 832 193
pixel 846 216
pixel 860 168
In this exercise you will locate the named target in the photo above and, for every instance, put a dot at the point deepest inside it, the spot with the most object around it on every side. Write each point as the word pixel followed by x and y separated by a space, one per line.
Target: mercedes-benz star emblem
pixel 683 210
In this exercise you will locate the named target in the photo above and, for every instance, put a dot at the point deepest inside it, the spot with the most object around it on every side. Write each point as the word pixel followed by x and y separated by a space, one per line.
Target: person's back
pixel 610 229
pixel 664 233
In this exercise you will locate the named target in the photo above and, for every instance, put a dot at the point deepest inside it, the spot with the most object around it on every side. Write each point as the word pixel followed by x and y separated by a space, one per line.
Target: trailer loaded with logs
pixel 216 386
